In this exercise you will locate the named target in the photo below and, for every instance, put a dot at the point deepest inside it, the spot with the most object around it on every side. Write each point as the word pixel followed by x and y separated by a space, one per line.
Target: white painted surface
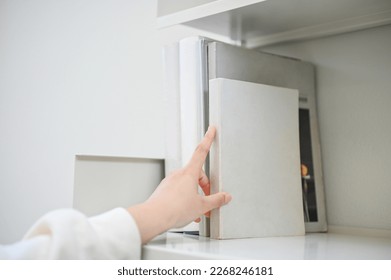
pixel 256 23
pixel 195 9
pixel 354 99
pixel 171 91
pixel 321 246
pixel 104 183
pixel 340 26
pixel 76 77
pixel 166 7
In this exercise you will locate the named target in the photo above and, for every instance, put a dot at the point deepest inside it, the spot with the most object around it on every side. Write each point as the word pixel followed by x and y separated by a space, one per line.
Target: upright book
pixel 256 158
pixel 185 87
pixel 192 62
pixel 230 62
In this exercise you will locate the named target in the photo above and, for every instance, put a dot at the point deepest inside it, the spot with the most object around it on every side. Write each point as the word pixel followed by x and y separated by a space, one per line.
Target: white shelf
pixel 201 11
pixel 311 246
pixel 260 23
pixel 346 64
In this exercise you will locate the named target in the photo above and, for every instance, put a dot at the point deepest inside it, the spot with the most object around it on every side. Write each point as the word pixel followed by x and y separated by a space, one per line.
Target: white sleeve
pixel 68 234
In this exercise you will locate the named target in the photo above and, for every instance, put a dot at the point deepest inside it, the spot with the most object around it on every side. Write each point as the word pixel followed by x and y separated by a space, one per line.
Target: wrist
pixel 151 218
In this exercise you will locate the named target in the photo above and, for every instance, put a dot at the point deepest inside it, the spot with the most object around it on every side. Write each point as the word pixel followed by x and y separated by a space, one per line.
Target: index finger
pixel 201 152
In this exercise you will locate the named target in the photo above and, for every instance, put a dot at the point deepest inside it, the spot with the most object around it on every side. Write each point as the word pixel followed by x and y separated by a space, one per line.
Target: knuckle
pixel 201 149
pixel 175 174
pixel 187 173
pixel 219 200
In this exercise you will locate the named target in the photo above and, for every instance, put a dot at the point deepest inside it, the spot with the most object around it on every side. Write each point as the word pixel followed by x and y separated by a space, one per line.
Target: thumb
pixel 216 200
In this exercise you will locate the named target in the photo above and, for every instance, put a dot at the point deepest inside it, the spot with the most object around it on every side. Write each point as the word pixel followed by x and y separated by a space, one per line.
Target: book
pixel 227 61
pixel 255 158
pixel 191 86
pixel 185 88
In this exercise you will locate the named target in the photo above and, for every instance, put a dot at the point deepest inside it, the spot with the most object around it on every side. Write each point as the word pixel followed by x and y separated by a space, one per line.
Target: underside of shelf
pixel 275 21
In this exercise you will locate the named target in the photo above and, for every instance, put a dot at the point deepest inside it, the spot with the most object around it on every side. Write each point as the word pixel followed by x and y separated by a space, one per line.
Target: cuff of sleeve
pixel 119 231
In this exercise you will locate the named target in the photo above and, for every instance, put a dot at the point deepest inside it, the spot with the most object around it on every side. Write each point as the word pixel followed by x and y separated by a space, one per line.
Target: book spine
pixel 215 154
pixel 191 100
pixel 192 125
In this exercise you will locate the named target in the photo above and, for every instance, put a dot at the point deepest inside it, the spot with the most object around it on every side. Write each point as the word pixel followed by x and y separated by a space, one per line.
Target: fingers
pixel 203 181
pixel 215 201
pixel 201 152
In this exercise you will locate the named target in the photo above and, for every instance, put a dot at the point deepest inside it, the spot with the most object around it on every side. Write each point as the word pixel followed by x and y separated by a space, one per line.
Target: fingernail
pixel 209 130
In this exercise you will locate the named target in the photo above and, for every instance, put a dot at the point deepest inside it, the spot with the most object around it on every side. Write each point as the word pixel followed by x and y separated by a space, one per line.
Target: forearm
pixel 152 219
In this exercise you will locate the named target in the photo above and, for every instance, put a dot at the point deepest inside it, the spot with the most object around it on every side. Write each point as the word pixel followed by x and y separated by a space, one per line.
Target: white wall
pixel 354 101
pixel 76 77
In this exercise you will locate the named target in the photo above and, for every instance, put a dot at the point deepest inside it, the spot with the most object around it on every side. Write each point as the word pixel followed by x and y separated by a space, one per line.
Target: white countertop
pixel 311 246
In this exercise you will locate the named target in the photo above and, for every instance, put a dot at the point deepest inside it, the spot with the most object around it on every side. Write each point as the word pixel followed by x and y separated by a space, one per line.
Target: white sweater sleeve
pixel 68 234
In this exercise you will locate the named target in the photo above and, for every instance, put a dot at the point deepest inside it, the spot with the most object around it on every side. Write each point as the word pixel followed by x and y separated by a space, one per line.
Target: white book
pixel 227 61
pixel 256 158
pixel 191 95
pixel 188 106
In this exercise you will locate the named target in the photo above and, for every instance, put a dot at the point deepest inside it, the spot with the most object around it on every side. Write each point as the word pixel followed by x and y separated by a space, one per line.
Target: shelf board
pixel 311 246
pixel 202 11
pixel 259 23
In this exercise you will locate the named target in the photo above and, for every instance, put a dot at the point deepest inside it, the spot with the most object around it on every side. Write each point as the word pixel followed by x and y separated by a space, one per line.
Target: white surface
pixel 76 77
pixel 67 234
pixel 236 63
pixel 191 96
pixel 171 90
pixel 256 159
pixel 196 9
pixel 166 7
pixel 312 246
pixel 267 22
pixel 104 183
pixel 340 26
pixel 192 127
pixel 353 91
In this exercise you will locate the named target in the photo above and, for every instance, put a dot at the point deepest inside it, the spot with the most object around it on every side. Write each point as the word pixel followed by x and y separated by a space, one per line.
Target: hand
pixel 176 201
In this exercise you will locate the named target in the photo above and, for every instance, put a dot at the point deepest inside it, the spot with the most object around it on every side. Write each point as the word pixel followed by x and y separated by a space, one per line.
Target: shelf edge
pixel 202 11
